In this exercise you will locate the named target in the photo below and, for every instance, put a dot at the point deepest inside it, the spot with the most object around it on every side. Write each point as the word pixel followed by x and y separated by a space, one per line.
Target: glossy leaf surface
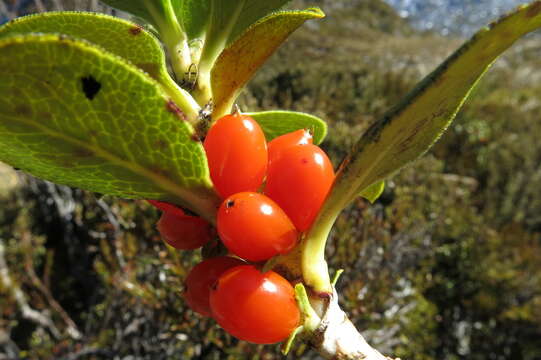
pixel 252 11
pixel 222 16
pixel 238 62
pixel 374 191
pixel 278 122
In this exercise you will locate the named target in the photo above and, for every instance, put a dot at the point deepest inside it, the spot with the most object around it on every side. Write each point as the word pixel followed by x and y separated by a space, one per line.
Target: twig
pixel 94 6
pixel 58 5
pixel 11 350
pixel 4 10
pixel 27 312
pixel 112 218
pixel 39 6
pixel 72 330
pixel 337 337
pixel 88 352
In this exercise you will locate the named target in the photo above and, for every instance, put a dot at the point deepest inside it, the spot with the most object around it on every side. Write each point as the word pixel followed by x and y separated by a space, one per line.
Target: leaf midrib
pixel 162 182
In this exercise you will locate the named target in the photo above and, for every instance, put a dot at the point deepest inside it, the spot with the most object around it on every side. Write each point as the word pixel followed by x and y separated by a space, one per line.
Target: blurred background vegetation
pixel 445 265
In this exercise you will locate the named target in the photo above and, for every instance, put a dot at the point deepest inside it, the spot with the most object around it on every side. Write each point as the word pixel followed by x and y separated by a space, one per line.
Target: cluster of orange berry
pixel 272 193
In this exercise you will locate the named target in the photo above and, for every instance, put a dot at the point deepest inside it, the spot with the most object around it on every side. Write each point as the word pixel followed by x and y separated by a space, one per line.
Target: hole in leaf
pixel 91 86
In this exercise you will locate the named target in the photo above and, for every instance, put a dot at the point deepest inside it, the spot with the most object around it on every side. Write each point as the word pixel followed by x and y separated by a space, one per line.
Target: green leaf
pixel 374 191
pixel 252 11
pixel 194 16
pixel 276 123
pixel 120 37
pixel 162 16
pixel 115 35
pixel 409 129
pixel 222 17
pixel 212 25
pixel 74 114
pixel 238 62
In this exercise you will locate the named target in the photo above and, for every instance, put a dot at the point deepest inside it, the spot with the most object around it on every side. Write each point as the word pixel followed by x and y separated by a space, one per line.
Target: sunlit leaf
pixel 115 35
pixel 408 130
pixel 374 191
pixel 123 38
pixel 239 61
pixel 278 122
pixel 194 15
pixel 252 11
pixel 222 17
pixel 74 114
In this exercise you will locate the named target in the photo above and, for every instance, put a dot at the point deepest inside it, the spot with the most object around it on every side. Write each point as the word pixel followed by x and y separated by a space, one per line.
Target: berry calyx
pixel 299 181
pixel 237 154
pixel 254 306
pixel 254 227
pixel 202 277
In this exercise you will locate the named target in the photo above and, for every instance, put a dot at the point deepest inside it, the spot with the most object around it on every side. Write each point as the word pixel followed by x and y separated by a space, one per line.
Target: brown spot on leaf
pixel 43 86
pixel 17 93
pixel 23 110
pixel 407 142
pixel 136 30
pixel 195 137
pixel 67 164
pixel 151 69
pixel 160 144
pixel 440 79
pixel 64 41
pixel 160 171
pixel 534 10
pixel 173 108
pixel 83 153
pixel 47 116
pixel 506 34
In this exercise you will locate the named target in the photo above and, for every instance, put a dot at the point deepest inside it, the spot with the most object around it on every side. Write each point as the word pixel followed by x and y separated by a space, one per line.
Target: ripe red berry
pixel 184 232
pixel 253 227
pixel 202 277
pixel 237 154
pixel 278 144
pixel 167 207
pixel 254 306
pixel 299 181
